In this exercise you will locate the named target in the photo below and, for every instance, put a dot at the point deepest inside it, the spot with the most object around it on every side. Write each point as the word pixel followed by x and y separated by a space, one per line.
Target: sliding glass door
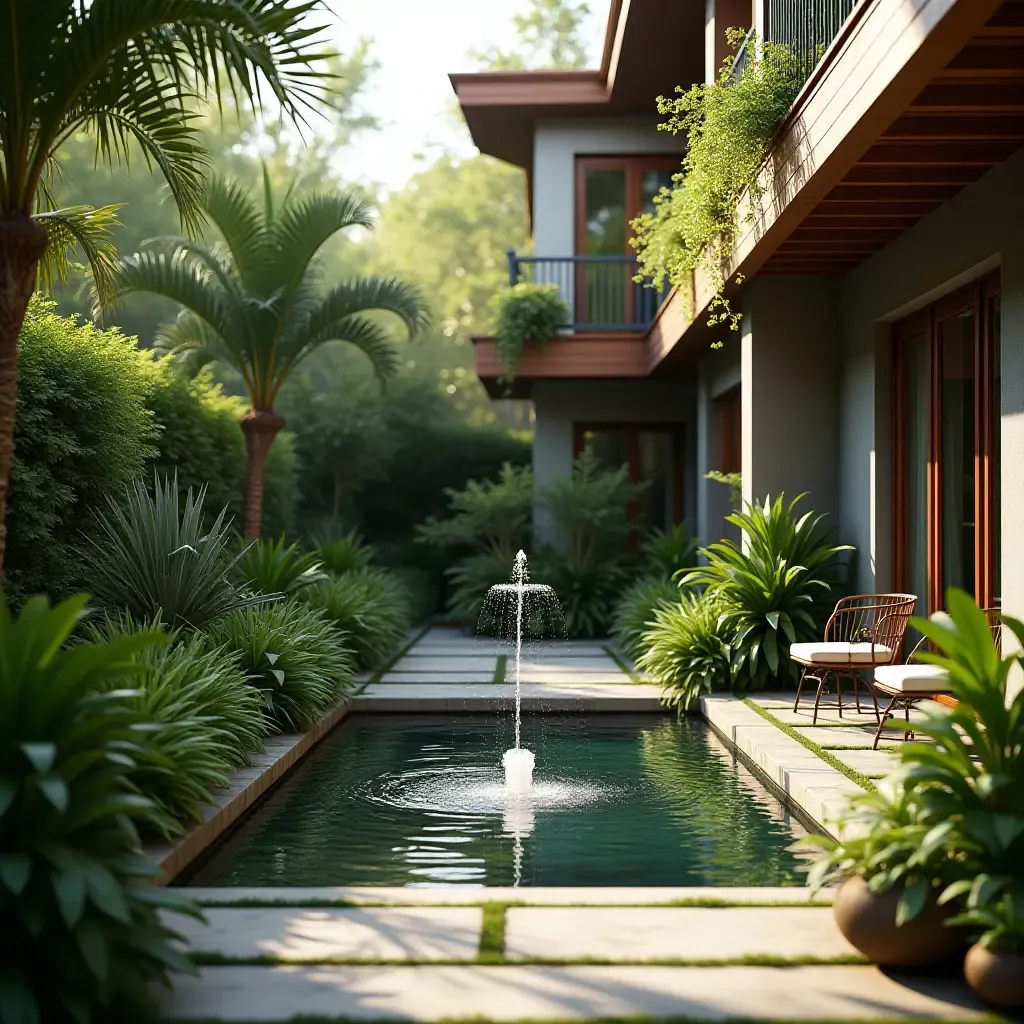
pixel 947 453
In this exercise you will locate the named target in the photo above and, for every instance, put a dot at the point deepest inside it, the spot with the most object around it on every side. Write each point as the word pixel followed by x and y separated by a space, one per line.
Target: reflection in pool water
pixel 420 800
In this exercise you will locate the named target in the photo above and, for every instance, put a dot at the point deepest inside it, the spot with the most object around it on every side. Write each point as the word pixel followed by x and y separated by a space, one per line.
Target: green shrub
pixel 634 611
pixel 80 938
pixel 371 608
pixel 343 552
pixel 469 580
pixel 776 587
pixel 527 313
pixel 666 552
pixel 205 720
pixel 199 440
pixel 588 590
pixel 292 654
pixel 82 433
pixel 155 560
pixel 686 649
pixel 273 567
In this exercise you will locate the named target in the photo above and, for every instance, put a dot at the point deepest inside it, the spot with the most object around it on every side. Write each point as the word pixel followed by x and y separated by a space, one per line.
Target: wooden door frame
pixel 632 429
pixel 979 297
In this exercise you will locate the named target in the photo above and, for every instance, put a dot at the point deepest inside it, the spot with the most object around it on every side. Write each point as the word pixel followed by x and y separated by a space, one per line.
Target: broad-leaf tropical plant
pixel 776 586
pixel 81 939
pixel 258 304
pixel 130 74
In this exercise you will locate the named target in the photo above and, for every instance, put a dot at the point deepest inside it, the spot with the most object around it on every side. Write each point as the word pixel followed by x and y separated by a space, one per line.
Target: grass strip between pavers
pixel 614 655
pixel 833 762
pixel 492 934
pixel 500 667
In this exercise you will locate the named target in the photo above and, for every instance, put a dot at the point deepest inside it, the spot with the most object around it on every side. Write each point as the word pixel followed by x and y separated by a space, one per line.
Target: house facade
pixel 879 360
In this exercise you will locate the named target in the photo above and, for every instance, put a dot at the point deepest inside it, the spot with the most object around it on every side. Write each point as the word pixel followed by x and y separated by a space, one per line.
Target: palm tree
pixel 257 302
pixel 131 73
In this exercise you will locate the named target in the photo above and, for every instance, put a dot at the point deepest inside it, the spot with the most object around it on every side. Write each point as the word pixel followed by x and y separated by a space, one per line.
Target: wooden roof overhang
pixel 649 49
pixel 914 100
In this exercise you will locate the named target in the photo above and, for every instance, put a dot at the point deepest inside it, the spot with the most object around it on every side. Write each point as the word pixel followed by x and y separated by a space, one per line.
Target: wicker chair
pixel 865 632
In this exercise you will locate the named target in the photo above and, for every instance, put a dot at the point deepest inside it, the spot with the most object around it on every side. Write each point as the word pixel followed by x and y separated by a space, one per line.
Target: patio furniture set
pixel 862 645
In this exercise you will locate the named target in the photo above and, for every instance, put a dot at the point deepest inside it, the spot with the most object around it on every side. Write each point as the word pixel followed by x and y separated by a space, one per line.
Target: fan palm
pixel 257 303
pixel 129 73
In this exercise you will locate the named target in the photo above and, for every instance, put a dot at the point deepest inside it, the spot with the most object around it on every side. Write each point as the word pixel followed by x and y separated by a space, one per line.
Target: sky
pixel 418 43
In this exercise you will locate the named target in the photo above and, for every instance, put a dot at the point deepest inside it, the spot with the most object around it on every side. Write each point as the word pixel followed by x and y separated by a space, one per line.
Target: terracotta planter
pixel 997 977
pixel 869 924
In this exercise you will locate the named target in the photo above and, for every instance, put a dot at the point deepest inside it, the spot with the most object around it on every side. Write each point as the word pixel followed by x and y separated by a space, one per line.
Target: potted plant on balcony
pixel 528 314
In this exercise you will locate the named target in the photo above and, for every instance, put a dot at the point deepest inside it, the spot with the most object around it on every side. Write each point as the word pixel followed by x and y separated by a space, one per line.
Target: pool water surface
pixel 419 800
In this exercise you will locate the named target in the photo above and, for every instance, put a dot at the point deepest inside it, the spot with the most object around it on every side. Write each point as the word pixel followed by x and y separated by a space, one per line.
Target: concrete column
pixel 790 369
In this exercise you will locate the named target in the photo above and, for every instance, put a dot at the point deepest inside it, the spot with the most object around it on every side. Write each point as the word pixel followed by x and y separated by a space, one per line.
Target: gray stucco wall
pixel 560 404
pixel 557 143
pixel 790 390
pixel 718 372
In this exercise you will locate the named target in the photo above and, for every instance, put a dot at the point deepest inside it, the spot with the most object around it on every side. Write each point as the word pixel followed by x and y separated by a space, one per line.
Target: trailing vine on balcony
pixel 527 313
pixel 729 126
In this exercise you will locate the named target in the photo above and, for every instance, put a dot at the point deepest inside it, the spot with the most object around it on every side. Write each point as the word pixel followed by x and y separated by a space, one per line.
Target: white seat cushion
pixel 838 653
pixel 913 678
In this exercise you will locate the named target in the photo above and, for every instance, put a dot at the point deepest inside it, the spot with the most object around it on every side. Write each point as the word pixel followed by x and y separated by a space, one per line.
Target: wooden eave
pixel 914 100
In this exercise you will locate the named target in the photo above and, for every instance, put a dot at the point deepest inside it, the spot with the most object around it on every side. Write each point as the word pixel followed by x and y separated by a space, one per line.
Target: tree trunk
pixel 260 427
pixel 22 244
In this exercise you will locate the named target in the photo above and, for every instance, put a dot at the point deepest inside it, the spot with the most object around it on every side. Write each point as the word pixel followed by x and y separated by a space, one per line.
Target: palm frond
pixel 87 230
pixel 363 294
pixel 231 208
pixel 302 226
pixel 372 339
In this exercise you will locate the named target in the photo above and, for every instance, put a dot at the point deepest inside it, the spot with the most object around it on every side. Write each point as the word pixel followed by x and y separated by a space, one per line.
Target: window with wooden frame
pixel 729 415
pixel 654 453
pixel 611 191
pixel 946 434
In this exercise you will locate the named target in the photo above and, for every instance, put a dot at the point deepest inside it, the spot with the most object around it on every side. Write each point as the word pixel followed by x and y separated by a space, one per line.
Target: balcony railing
pixel 805 26
pixel 600 291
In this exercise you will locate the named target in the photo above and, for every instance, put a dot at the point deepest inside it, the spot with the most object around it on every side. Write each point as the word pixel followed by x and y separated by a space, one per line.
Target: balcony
pixel 600 291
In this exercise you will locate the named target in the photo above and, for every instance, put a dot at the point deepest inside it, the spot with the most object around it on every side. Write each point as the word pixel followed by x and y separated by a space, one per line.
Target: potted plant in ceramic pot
pixel 994 966
pixel 892 867
pixel 943 838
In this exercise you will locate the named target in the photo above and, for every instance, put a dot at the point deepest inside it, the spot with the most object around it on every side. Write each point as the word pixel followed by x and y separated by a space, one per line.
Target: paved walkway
pixel 447 670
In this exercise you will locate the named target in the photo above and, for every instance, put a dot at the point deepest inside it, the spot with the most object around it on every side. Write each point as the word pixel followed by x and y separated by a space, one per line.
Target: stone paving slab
pixel 338 933
pixel 416 662
pixel 568 676
pixel 476 676
pixel 855 737
pixel 672 933
pixel 535 697
pixel 591 662
pixel 565 895
pixel 827 715
pixel 869 762
pixel 510 993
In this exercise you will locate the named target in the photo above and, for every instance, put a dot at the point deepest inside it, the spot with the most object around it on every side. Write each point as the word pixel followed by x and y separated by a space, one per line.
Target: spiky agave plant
pixel 776 586
pixel 80 935
pixel 155 559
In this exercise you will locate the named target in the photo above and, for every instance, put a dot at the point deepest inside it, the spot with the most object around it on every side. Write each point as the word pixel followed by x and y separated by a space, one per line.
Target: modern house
pixel 879 361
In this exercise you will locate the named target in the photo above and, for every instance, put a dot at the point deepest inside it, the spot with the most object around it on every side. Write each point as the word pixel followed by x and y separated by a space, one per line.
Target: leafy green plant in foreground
pixel 80 939
pixel 292 655
pixel 156 560
pixel 951 819
pixel 775 587
pixel 666 552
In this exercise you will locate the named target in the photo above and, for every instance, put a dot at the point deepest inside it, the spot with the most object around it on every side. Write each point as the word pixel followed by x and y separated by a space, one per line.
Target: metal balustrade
pixel 600 291
pixel 805 26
